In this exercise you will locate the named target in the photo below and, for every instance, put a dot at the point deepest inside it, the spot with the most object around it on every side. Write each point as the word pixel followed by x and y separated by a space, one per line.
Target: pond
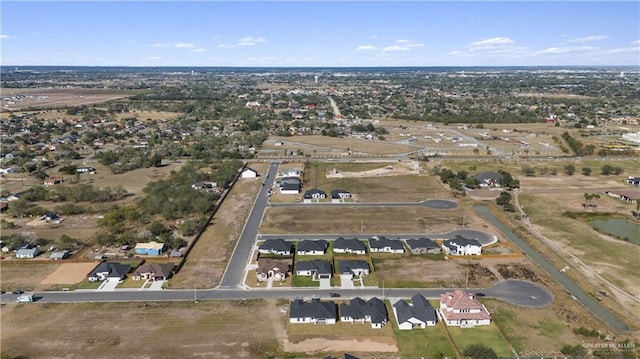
pixel 620 228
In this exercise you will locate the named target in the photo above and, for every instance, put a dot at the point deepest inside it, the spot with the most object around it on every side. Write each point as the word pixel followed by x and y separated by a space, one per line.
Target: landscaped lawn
pixel 304 281
pixel 430 342
pixel 486 335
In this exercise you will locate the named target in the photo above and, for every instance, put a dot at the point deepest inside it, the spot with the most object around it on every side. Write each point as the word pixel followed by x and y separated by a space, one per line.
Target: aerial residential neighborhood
pixel 277 180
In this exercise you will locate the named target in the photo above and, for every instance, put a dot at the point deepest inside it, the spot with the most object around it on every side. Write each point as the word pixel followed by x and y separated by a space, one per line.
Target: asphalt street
pixel 512 291
pixel 234 273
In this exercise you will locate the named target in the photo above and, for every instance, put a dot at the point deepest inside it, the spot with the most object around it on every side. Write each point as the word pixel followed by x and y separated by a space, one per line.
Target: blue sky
pixel 323 33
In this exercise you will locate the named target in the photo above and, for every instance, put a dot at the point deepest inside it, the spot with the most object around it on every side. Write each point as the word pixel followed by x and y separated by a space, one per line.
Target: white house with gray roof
pixel 418 314
pixel 316 312
pixel 461 246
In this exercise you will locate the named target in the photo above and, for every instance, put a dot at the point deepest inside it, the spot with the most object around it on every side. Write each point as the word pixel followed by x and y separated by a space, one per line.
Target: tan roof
pixel 267 264
pixel 162 269
pixel 459 299
pixel 631 194
pixel 150 245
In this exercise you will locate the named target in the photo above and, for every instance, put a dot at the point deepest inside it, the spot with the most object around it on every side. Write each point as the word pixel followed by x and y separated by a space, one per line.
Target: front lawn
pixel 430 342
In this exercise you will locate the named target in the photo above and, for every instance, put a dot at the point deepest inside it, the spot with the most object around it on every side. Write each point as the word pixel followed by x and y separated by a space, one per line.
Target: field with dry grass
pixel 212 329
pixel 317 144
pixel 207 260
pixel 26 275
pixel 51 98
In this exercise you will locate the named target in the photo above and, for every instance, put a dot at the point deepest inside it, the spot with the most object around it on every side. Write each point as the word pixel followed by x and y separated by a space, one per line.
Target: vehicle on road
pixel 17 291
pixel 25 298
pixel 334 295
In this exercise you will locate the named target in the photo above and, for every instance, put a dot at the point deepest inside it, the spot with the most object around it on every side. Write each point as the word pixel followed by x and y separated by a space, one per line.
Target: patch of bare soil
pixel 69 273
pixel 397 169
pixel 419 269
pixel 517 271
pixel 478 275
pixel 303 344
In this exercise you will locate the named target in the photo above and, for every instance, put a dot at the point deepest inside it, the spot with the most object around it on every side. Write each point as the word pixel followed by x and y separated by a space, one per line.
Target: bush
pixel 479 351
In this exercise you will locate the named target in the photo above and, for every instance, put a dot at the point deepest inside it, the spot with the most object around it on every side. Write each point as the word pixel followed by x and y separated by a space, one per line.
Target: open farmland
pixel 19 99
pixel 318 145
pixel 214 329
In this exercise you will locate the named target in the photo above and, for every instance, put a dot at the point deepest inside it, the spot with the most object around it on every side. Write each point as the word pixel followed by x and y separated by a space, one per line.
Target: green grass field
pixel 430 342
pixel 486 335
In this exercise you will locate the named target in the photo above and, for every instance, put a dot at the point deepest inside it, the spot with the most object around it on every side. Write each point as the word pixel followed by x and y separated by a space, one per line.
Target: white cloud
pixel 250 41
pixel 184 45
pixel 245 41
pixel 625 49
pixel 403 45
pixel 635 42
pixel 154 58
pixel 197 50
pixel 177 45
pixel 567 49
pixel 367 48
pixel 492 42
pixel 591 38
pixel 5 37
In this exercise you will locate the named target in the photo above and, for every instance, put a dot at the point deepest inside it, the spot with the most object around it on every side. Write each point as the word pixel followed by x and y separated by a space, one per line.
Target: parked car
pixel 18 291
pixel 333 294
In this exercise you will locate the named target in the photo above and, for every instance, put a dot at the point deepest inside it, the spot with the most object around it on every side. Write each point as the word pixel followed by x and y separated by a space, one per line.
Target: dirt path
pixel 620 295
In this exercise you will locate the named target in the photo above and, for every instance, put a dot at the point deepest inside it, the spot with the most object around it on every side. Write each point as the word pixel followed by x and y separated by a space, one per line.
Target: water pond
pixel 620 228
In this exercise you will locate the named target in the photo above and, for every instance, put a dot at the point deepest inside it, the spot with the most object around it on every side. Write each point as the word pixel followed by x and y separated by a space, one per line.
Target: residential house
pixel 49 216
pixel 27 251
pixel 422 245
pixel 627 196
pixel 86 169
pixel 353 246
pixel 359 311
pixel 418 314
pixel 317 269
pixel 272 268
pixel 290 185
pixel 59 255
pixel 384 245
pixel 633 180
pixel 311 247
pixel 249 173
pixel 152 248
pixel 153 271
pixel 355 268
pixel 175 253
pixel 292 173
pixel 314 194
pixel 461 246
pixel 339 195
pixel 51 181
pixel 316 312
pixel 109 270
pixel 276 246
pixel 488 179
pixel 459 308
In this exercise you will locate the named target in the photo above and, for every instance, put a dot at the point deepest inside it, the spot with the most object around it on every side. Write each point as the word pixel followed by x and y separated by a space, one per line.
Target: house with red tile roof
pixel 461 309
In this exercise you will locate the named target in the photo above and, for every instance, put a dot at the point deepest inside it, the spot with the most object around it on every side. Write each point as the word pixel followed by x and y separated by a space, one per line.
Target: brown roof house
pixel 153 271
pixel 461 309
pixel 272 268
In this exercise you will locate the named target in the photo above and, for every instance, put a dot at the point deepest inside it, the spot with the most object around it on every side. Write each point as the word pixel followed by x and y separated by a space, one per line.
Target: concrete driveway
pixel 109 285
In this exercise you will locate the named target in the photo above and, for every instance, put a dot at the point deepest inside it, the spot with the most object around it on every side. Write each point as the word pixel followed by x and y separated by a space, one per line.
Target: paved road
pixel 433 203
pixel 568 284
pixel 234 273
pixel 513 291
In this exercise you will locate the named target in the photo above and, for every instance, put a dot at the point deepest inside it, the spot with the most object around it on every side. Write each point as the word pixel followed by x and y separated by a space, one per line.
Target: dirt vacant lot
pixel 50 98
pixel 209 329
pixel 69 273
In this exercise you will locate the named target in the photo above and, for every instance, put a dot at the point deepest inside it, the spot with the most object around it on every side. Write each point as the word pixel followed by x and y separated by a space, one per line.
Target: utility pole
pixel 195 293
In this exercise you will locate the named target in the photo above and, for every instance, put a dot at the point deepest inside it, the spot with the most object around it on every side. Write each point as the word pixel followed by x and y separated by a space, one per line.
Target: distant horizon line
pixel 327 67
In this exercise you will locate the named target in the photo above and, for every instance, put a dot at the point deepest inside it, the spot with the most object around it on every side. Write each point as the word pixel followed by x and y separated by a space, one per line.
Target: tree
pixel 528 171
pixel 586 171
pixel 569 169
pixel 479 351
pixel 504 198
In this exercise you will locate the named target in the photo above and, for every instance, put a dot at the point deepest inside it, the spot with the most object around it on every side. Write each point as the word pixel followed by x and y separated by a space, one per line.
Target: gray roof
pixel 488 176
pixel 312 245
pixel 461 241
pixel 348 266
pixel 59 255
pixel 27 252
pixel 382 242
pixel 353 244
pixel 421 309
pixel 320 266
pixel 114 269
pixel 359 309
pixel 291 180
pixel 315 309
pixel 159 269
pixel 309 193
pixel 290 187
pixel 277 244
pixel 336 193
pixel 421 243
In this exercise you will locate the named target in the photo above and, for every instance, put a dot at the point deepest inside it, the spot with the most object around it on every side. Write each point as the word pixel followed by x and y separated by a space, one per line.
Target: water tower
pixel 315 78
